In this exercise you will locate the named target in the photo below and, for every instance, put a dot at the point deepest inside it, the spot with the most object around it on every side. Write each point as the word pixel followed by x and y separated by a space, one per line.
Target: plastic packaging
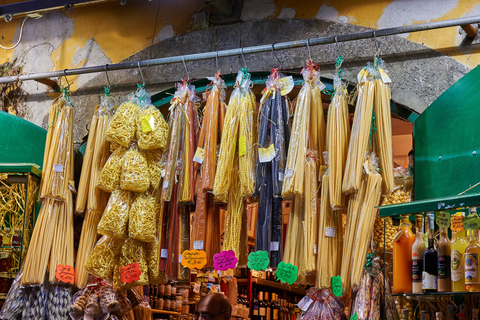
pixel 123 126
pixel 152 129
pixel 14 303
pixel 108 300
pixel 155 166
pixel 362 301
pixel 133 251
pixel 102 260
pixel 93 305
pixel 325 305
pixel 134 171
pixel 184 237
pixel 79 303
pixel 57 302
pixel 188 147
pixel 115 218
pixel 112 171
pixel 143 219
pixel 173 150
pixel 153 256
pixel 34 307
pixel 134 297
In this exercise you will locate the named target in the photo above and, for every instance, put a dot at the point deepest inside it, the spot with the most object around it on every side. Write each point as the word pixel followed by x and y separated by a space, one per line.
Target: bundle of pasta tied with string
pixel 273 139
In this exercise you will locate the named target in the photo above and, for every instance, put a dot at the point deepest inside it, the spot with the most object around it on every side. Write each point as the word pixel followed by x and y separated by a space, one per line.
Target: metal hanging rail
pixel 247 50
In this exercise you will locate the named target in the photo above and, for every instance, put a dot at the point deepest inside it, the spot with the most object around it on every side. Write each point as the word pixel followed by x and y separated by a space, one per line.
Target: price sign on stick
pixel 443 219
pixel 471 222
pixel 337 286
pixel 194 259
pixel 130 273
pixel 258 260
pixel 354 316
pixel 287 272
pixel 225 260
pixel 457 224
pixel 65 274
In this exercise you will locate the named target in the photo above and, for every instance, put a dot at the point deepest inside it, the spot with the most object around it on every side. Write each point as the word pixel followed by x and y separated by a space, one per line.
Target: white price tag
pixel 315 249
pixel 274 246
pixel 198 245
pixel 57 168
pixel 163 173
pixel 199 155
pixel 165 184
pixel 305 303
pixel 384 76
pixel 266 154
pixel 164 253
pixel 180 257
pixel 288 173
pixel 329 232
pixel 281 176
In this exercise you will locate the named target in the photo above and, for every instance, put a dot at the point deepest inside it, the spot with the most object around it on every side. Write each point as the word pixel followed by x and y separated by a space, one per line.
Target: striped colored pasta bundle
pixel 115 218
pixel 134 171
pixel 152 129
pixel 112 171
pixel 143 222
pixel 123 126
pixel 101 261
pixel 134 251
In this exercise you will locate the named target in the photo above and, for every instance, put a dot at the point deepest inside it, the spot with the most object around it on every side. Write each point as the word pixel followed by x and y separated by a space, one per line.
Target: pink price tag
pixel 225 260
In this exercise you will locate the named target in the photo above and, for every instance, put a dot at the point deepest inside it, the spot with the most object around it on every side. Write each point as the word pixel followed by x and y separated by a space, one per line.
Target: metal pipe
pixel 247 50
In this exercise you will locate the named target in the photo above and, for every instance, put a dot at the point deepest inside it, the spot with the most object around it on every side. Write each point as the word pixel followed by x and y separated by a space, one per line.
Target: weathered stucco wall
pixel 422 64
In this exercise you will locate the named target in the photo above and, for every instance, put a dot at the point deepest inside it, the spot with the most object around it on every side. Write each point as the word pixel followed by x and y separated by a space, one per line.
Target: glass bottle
pixel 472 279
pixel 444 281
pixel 402 258
pixel 459 245
pixel 418 249
pixel 262 310
pixel 255 306
pixel 268 306
pixel 429 275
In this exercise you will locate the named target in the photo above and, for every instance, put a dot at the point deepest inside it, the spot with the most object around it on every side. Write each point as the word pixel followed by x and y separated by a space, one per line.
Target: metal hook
pixel 141 74
pixel 185 66
pixel 244 63
pixel 106 73
pixel 275 55
pixel 338 48
pixel 65 75
pixel 309 52
pixel 376 43
pixel 216 61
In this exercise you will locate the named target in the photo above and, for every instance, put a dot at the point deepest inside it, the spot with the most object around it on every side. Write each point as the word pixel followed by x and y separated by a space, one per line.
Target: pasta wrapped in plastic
pixel 133 251
pixel 153 258
pixel 325 305
pixel 152 129
pixel 108 300
pixel 14 303
pixel 123 126
pixel 143 219
pixel 93 305
pixel 134 171
pixel 362 301
pixel 115 218
pixel 112 171
pixel 155 166
pixel 102 260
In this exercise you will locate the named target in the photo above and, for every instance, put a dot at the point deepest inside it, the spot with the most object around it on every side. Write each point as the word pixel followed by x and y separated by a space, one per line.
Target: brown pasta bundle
pixel 102 260
pixel 115 218
pixel 112 171
pixel 133 251
pixel 152 129
pixel 134 171
pixel 143 219
pixel 155 166
pixel 123 126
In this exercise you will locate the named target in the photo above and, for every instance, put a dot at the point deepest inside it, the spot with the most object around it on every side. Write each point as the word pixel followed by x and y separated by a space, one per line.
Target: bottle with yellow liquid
pixel 472 253
pixel 459 244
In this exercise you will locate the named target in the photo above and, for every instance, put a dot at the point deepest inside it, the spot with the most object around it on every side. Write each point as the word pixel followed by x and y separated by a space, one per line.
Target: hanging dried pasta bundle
pixel 134 171
pixel 311 214
pixel 115 218
pixel 112 171
pixel 123 126
pixel 153 257
pixel 101 261
pixel 143 219
pixel 186 178
pixel 156 164
pixel 152 129
pixel 133 251
pixel 247 133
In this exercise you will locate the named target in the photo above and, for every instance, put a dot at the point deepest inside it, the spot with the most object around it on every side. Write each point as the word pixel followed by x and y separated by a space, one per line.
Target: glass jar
pixel 160 302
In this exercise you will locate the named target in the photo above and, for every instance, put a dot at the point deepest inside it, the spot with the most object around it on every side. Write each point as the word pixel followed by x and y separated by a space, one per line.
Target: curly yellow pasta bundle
pixel 123 126
pixel 101 261
pixel 113 146
pixel 133 251
pixel 152 129
pixel 134 171
pixel 155 167
pixel 143 219
pixel 110 175
pixel 115 218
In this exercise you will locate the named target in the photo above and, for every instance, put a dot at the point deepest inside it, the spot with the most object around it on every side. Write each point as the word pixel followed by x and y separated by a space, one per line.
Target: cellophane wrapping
pixel 152 129
pixel 115 218
pixel 14 303
pixel 325 305
pixel 102 260
pixel 57 303
pixel 112 171
pixel 134 251
pixel 123 126
pixel 134 171
pixel 143 218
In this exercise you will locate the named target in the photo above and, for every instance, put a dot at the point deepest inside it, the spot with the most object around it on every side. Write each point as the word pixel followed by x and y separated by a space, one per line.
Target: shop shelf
pixel 433 295
pixel 273 284
pixel 173 313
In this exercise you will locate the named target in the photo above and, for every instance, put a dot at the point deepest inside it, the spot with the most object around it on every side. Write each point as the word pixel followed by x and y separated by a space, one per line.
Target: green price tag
pixel 337 286
pixel 258 260
pixel 354 316
pixel 443 219
pixel 471 222
pixel 287 272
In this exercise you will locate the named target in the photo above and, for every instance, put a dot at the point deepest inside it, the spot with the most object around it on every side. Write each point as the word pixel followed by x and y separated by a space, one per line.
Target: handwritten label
pixel 194 259
pixel 471 222
pixel 130 273
pixel 457 224
pixel 286 85
pixel 199 155
pixel 443 219
pixel 198 245
pixel 242 146
pixel 164 253
pixel 337 288
pixel 266 154
pixel 305 303
pixel 65 274
pixel 148 123
pixel 330 232
pixel 287 272
pixel 354 316
pixel 225 260
pixel 258 260
pixel 57 167
pixel 274 246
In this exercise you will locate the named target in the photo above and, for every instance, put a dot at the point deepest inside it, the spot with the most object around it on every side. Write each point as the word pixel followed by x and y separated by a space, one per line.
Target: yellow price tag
pixel 148 123
pixel 199 155
pixel 266 154
pixel 360 75
pixel 242 146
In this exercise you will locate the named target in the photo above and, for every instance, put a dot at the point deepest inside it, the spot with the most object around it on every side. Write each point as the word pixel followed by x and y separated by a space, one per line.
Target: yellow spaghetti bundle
pixel 317 124
pixel 123 126
pixel 152 129
pixel 133 251
pixel 247 161
pixel 311 215
pixel 360 138
pixel 295 241
pixel 383 134
pixel 102 260
pixel 112 171
pixel 143 219
pixel 115 218
pixel 338 135
pixel 134 171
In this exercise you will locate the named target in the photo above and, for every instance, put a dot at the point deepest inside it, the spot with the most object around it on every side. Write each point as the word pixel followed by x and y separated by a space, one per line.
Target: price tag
pixel 266 154
pixel 360 76
pixel 315 247
pixel 163 173
pixel 242 146
pixel 196 288
pixel 164 253
pixel 329 232
pixel 198 245
pixel 354 316
pixel 148 123
pixel 180 257
pixel 443 219
pixel 199 155
pixel 65 274
pixel 57 167
pixel 305 303
pixel 225 260
pixel 288 173
pixel 130 273
pixel 337 288
pixel 384 76
pixel 457 224
pixel 165 184
pixel 471 222
pixel 258 260
pixel 194 259
pixel 286 85
pixel 287 272
pixel 274 246
pixel 281 176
